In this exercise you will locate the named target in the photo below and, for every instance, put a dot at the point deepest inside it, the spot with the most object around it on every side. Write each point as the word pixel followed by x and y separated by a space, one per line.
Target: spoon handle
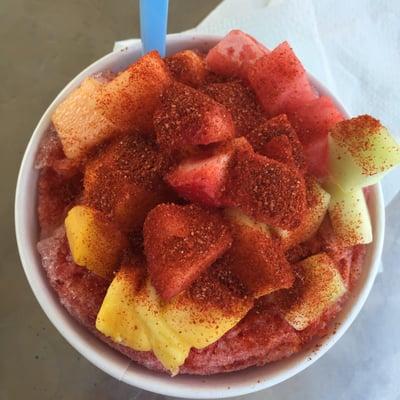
pixel 153 25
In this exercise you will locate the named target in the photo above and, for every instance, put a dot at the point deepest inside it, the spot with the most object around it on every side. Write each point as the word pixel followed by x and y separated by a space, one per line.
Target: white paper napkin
pixel 353 47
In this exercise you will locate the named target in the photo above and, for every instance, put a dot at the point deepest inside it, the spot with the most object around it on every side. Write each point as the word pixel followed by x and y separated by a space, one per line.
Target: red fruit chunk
pixel 267 190
pixel 241 101
pixel 234 54
pixel 278 127
pixel 257 261
pixel 125 180
pixel 279 149
pixel 187 67
pixel 202 179
pixel 280 81
pixel 180 242
pixel 312 122
pixel 189 117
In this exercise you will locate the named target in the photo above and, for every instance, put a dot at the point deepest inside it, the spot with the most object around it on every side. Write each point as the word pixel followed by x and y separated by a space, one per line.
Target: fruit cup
pixel 112 362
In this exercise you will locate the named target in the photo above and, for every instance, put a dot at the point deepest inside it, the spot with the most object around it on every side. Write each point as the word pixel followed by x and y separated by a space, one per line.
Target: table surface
pixel 44 43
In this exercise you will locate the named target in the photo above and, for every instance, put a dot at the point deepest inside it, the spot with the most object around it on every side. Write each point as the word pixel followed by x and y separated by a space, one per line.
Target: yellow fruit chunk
pixel 133 314
pixel 349 216
pixel 206 311
pixel 318 287
pixel 79 122
pixel 317 204
pixel 95 243
pixel 234 215
pixel 168 345
pixel 118 317
pixel 130 99
pixel 361 151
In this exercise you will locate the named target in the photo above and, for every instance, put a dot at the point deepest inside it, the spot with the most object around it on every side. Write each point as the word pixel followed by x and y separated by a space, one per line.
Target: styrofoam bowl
pixel 114 363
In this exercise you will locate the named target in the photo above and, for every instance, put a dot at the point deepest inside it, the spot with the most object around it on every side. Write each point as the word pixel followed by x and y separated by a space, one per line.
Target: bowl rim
pixel 103 356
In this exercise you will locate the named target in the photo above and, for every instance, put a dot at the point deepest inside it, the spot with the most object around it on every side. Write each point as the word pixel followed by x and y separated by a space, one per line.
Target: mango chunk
pixel 361 151
pixel 95 243
pixel 118 317
pixel 349 216
pixel 318 286
pixel 134 315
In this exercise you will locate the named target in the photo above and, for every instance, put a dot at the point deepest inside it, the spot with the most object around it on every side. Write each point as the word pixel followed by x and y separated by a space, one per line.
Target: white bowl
pixel 109 360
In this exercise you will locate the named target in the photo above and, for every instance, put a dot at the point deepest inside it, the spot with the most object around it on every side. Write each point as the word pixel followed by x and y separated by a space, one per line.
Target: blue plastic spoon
pixel 153 25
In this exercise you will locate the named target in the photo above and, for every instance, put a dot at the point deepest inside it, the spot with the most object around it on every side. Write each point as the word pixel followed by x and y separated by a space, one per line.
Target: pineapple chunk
pixel 317 202
pixel 133 314
pixel 361 151
pixel 349 216
pixel 79 122
pixel 320 286
pixel 130 99
pixel 169 346
pixel 118 317
pixel 95 243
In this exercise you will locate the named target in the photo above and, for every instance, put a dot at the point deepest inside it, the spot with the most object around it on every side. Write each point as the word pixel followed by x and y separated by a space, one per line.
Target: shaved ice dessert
pixel 204 213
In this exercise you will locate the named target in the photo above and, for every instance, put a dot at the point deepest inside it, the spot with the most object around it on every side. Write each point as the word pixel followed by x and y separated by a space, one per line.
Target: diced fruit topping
pixel 211 306
pixel 125 180
pixel 79 120
pixel 267 190
pixel 361 151
pixel 349 216
pixel 130 99
pixel 94 241
pixel 312 122
pixel 187 116
pixel 241 101
pixel 237 217
pixel 275 130
pixel 317 206
pixel 202 179
pixel 255 259
pixel 280 81
pixel 133 314
pixel 317 287
pixel 187 67
pixel 180 242
pixel 279 149
pixel 234 54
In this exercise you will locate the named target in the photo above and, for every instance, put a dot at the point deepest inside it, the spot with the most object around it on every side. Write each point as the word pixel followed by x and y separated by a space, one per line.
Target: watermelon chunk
pixel 180 243
pixel 187 116
pixel 202 179
pixel 241 101
pixel 312 122
pixel 276 139
pixel 267 190
pixel 234 54
pixel 280 81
